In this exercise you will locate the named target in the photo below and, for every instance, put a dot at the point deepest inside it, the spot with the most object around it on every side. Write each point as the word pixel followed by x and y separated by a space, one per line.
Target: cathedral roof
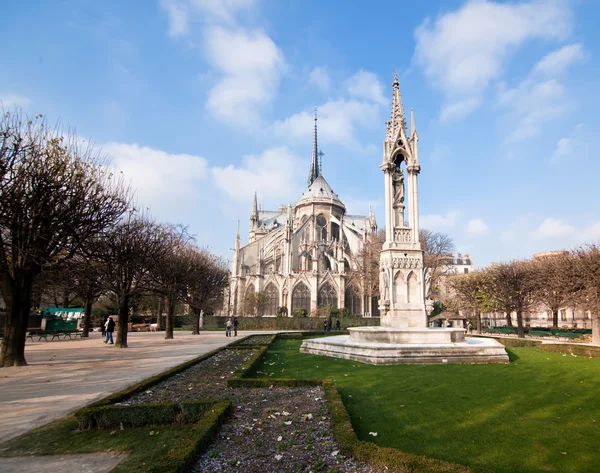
pixel 320 191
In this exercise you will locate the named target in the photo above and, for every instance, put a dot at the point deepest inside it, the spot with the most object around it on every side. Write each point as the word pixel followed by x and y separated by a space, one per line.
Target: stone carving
pixel 383 285
pixel 407 262
pixel 402 235
pixel 398 180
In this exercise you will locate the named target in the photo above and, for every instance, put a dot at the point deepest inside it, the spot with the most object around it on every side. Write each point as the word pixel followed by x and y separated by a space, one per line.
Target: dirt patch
pixel 92 463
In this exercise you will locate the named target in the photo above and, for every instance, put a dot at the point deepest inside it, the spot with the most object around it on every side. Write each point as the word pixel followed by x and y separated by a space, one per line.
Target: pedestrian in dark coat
pixel 110 328
pixel 235 325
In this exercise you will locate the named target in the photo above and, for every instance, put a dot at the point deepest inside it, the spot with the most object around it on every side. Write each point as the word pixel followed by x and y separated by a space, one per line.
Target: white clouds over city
pixel 463 51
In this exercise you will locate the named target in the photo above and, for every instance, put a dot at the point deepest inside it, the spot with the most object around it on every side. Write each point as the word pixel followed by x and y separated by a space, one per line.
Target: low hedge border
pixel 389 459
pixel 186 454
pixel 567 349
pixel 150 382
pixel 140 415
pixel 248 367
pixel 243 342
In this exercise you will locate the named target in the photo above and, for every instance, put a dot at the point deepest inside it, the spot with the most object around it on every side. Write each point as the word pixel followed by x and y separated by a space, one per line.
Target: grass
pixel 541 412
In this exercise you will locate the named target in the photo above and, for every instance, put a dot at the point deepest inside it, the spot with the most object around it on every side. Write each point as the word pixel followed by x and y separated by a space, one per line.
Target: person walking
pixel 235 325
pixel 228 328
pixel 329 324
pixel 325 325
pixel 109 328
pixel 103 326
pixel 337 324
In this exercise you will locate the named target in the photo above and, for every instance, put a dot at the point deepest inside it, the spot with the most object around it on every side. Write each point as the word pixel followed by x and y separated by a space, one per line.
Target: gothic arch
pixel 327 295
pixel 412 284
pixel 301 297
pixel 352 299
pixel 249 300
pixel 271 299
pixel 399 288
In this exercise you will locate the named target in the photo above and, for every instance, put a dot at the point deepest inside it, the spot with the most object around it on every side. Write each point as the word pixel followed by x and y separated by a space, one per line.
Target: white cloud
pixel 568 147
pixel 224 10
pixel 552 228
pixel 507 236
pixel 274 173
pixel 178 15
pixel 459 109
pixel 14 100
pixel 159 178
pixel 592 233
pixel 339 121
pixel 476 227
pixel 250 64
pixel 366 85
pixel 558 61
pixel 320 78
pixel 531 105
pixel 437 221
pixel 464 50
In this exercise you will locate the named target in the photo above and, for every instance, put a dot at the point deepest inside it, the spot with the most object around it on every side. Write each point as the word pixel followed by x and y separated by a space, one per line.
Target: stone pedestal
pixel 397 351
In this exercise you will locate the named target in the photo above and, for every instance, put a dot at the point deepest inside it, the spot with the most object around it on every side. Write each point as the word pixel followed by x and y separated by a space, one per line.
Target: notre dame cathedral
pixel 302 256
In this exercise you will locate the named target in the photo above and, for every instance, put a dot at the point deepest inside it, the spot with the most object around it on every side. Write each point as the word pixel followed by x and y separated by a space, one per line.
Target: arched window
pixel 301 298
pixel 352 300
pixel 327 296
pixel 271 300
pixel 321 228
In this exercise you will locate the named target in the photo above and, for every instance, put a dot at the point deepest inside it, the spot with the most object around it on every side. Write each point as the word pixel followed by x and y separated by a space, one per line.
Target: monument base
pixel 386 346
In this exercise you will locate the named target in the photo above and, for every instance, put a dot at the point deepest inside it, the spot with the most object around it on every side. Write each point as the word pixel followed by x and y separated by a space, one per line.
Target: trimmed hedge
pixel 140 415
pixel 150 382
pixel 569 349
pixel 182 458
pixel 253 341
pixel 286 323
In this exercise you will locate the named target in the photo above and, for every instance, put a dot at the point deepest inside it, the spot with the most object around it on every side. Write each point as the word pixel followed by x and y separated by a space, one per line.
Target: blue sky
pixel 202 102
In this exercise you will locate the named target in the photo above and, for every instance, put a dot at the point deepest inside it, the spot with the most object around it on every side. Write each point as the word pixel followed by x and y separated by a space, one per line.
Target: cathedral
pixel 302 256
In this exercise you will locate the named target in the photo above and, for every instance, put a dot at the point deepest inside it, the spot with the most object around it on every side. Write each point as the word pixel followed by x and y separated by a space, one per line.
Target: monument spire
pixel 315 169
pixel 254 215
pixel 398 120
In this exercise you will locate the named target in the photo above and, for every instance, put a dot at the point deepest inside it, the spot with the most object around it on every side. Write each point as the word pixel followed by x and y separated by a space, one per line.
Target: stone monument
pixel 403 335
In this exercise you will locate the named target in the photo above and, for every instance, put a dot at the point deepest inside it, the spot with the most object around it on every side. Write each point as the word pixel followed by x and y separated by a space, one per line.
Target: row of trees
pixel 569 278
pixel 65 216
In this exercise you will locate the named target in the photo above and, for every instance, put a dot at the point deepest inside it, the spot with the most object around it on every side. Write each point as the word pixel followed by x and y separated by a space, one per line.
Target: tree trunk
pixel 596 329
pixel 508 320
pixel 554 318
pixel 196 328
pixel 478 320
pixel 17 296
pixel 87 317
pixel 520 328
pixel 170 317
pixel 121 340
pixel 161 309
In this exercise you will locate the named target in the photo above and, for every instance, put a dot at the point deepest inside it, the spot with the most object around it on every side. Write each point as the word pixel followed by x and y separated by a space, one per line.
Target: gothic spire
pixel 397 120
pixel 254 215
pixel 315 169
pixel 413 126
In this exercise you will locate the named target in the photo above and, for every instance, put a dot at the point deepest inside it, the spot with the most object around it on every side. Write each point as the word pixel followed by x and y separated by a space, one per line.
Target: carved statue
pixel 383 285
pixel 398 180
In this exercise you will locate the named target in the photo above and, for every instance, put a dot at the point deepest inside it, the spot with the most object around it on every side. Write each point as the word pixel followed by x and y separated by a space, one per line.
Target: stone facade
pixel 302 256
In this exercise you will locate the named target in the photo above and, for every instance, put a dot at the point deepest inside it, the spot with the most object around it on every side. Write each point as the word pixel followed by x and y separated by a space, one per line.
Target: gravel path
pixel 277 430
pixel 271 429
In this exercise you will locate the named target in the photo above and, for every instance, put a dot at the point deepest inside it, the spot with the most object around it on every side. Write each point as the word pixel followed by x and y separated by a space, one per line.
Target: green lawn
pixel 539 413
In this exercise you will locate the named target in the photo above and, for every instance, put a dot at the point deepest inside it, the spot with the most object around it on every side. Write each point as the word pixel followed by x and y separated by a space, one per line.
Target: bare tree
pixel 437 248
pixel 513 286
pixel 208 278
pixel 554 288
pixel 129 251
pixel 366 264
pixel 586 287
pixel 471 292
pixel 55 195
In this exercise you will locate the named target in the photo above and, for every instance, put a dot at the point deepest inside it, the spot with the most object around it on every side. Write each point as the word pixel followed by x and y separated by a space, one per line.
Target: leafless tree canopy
pixel 437 248
pixel 55 195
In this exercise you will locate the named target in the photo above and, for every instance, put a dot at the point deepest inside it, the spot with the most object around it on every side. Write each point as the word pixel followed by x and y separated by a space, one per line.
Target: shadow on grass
pixel 512 356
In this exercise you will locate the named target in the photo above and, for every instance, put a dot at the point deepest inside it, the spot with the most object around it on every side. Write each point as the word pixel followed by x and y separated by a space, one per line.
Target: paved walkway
pixel 65 375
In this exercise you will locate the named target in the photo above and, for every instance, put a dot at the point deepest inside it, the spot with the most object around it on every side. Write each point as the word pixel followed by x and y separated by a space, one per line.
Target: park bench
pixel 54 333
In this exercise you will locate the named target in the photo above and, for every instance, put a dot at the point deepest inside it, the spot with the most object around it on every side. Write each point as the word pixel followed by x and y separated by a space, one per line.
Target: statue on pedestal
pixel 398 202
